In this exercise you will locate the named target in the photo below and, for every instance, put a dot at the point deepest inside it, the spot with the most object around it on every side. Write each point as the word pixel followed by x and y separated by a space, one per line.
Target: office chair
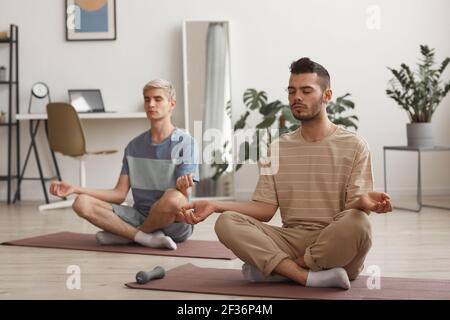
pixel 66 136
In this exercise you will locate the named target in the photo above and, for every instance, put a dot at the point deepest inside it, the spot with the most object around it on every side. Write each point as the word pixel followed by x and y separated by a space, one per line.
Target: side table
pixel 419 150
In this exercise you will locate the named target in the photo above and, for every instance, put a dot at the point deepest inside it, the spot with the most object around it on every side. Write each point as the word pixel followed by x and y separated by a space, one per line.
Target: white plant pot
pixel 420 134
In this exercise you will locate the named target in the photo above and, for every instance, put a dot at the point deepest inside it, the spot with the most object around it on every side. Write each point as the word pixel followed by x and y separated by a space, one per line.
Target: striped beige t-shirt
pixel 315 180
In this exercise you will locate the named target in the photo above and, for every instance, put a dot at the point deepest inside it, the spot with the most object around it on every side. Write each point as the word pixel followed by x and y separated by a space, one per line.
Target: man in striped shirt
pixel 322 183
pixel 159 166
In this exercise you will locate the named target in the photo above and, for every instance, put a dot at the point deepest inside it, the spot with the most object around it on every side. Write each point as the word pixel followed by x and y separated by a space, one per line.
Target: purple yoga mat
pixel 82 241
pixel 190 278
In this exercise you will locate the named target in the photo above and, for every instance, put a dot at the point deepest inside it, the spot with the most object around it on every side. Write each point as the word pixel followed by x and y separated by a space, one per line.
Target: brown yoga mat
pixel 82 241
pixel 190 278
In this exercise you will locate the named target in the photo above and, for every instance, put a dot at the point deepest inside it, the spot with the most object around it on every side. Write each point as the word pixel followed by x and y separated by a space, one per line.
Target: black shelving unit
pixel 12 84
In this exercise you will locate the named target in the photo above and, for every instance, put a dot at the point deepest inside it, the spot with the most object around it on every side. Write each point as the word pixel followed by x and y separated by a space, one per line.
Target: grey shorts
pixel 178 231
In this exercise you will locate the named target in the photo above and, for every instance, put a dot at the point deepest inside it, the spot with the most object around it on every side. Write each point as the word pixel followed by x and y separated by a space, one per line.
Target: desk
pixel 35 121
pixel 419 175
pixel 93 115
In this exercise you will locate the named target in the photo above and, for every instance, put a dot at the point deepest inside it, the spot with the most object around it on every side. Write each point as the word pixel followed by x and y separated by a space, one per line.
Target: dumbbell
pixel 145 276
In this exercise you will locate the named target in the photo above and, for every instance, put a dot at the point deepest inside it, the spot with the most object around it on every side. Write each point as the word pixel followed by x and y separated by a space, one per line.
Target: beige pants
pixel 345 242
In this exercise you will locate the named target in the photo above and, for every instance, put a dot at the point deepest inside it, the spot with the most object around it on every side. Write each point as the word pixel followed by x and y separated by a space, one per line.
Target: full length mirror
pixel 207 90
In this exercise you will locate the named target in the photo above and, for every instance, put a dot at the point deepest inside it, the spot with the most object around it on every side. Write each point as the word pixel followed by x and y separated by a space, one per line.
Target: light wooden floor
pixel 406 244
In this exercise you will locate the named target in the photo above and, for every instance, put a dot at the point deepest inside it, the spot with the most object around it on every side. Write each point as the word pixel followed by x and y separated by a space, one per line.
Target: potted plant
pixel 2 73
pixel 270 112
pixel 2 117
pixel 419 94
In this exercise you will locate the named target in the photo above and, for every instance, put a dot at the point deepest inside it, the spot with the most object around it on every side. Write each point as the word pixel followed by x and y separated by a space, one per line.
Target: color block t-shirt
pixel 153 168
pixel 316 180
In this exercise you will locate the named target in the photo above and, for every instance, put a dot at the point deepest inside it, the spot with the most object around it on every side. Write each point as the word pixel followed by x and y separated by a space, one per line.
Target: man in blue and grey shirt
pixel 160 166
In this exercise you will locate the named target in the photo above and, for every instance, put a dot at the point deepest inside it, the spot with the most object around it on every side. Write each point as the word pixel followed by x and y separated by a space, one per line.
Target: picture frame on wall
pixel 90 20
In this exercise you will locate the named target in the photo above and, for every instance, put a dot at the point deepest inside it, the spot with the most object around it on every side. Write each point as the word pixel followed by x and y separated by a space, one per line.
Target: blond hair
pixel 162 84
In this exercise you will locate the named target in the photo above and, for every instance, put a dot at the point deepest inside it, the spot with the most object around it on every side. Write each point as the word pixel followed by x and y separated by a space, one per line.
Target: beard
pixel 315 112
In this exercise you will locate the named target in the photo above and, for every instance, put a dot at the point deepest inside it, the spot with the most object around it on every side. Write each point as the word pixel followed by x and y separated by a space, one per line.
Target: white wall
pixel 265 37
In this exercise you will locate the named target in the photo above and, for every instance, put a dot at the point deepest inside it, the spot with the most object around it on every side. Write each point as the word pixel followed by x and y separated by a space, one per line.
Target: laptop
pixel 87 100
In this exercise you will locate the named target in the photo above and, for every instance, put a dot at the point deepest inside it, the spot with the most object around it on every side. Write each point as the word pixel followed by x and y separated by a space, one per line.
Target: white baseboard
pixel 246 194
pixel 400 192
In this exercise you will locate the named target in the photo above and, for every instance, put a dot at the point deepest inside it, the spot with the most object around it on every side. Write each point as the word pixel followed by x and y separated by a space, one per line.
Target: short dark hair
pixel 306 65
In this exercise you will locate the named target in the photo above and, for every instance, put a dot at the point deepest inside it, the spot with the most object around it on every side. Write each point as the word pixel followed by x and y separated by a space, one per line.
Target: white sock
pixel 253 274
pixel 336 277
pixel 156 239
pixel 105 238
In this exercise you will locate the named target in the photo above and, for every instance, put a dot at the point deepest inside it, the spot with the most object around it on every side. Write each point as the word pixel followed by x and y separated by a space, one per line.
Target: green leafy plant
pixel 269 112
pixel 420 92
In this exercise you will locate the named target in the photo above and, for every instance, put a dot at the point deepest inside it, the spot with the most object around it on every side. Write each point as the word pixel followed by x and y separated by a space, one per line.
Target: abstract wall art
pixel 90 20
